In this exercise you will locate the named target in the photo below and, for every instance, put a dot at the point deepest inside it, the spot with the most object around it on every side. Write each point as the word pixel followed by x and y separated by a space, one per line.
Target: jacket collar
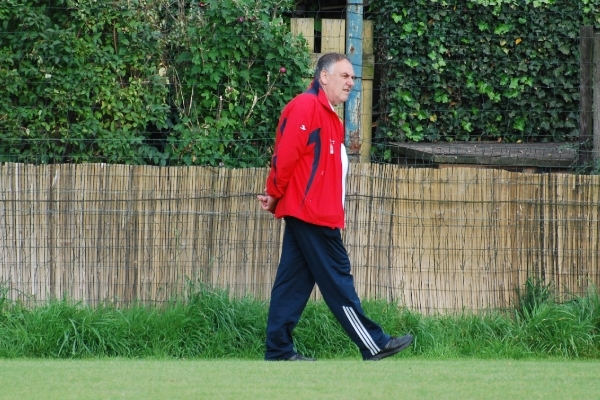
pixel 316 89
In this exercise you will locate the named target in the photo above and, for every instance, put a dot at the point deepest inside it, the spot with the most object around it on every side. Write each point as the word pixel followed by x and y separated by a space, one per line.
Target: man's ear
pixel 324 77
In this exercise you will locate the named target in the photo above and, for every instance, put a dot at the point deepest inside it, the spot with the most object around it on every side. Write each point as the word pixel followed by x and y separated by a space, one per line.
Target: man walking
pixel 306 187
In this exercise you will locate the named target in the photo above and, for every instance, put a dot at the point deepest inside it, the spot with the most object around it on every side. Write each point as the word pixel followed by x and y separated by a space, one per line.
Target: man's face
pixel 339 82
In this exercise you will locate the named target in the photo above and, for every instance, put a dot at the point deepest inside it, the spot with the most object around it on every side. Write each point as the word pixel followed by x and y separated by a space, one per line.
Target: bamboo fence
pixel 433 240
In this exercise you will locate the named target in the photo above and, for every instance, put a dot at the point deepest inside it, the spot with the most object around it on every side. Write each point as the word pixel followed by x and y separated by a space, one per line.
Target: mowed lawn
pixel 400 378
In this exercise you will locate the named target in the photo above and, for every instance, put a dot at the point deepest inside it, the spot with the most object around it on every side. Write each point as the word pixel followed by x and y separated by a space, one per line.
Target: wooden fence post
pixel 353 106
pixel 596 101
pixel 368 74
pixel 585 93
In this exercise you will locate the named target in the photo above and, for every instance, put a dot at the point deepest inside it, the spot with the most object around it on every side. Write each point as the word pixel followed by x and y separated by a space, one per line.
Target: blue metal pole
pixel 354 51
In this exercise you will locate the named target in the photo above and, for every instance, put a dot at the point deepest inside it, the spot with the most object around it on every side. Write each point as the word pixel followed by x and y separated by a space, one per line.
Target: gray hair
pixel 327 61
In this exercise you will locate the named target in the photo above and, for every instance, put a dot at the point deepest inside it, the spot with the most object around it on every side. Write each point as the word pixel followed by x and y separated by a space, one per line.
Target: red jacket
pixel 306 169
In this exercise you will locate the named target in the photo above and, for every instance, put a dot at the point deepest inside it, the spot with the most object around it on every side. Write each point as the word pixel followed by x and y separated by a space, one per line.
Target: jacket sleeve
pixel 290 145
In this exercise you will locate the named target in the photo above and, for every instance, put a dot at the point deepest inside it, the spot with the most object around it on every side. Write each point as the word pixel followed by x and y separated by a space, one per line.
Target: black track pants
pixel 315 254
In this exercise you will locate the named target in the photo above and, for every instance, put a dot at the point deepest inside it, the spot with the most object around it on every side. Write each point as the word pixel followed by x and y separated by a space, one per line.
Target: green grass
pixel 393 378
pixel 211 325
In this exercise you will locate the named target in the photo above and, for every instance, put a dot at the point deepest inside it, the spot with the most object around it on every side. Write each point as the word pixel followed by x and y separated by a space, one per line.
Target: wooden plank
pixel 490 153
pixel 585 92
pixel 368 67
pixel 366 124
pixel 333 36
pixel 368 72
pixel 367 46
pixel 333 40
pixel 306 28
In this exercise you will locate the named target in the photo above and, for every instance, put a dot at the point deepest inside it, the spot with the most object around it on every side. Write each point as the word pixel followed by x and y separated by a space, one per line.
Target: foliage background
pixel 168 82
pixel 479 70
pixel 145 82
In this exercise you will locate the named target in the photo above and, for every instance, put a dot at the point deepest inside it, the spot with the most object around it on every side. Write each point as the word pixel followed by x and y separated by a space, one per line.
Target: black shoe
pixel 395 345
pixel 300 357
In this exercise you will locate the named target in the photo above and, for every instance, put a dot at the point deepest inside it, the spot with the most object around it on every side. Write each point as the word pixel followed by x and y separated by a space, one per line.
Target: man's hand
pixel 267 202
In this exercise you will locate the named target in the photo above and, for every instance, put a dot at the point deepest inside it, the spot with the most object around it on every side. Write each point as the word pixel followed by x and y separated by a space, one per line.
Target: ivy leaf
pixel 411 63
pixel 502 29
pixel 565 49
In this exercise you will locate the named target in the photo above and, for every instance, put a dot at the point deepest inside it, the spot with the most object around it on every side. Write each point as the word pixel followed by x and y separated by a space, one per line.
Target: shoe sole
pixel 397 350
pixel 295 357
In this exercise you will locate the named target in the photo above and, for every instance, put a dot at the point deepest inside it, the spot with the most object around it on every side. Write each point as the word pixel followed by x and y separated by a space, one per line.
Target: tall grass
pixel 210 324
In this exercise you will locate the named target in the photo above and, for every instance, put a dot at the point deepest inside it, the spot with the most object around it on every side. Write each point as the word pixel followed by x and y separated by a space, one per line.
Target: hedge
pixel 159 82
pixel 479 70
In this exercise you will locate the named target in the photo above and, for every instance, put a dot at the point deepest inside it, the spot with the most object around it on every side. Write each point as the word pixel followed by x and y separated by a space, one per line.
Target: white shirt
pixel 344 173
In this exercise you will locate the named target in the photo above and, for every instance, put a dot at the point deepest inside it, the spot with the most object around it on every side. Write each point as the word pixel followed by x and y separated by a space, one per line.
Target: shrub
pixel 235 65
pixel 82 81
pixel 145 82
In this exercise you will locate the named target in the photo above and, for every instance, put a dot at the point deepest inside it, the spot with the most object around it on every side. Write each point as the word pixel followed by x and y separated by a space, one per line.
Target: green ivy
pixel 479 70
